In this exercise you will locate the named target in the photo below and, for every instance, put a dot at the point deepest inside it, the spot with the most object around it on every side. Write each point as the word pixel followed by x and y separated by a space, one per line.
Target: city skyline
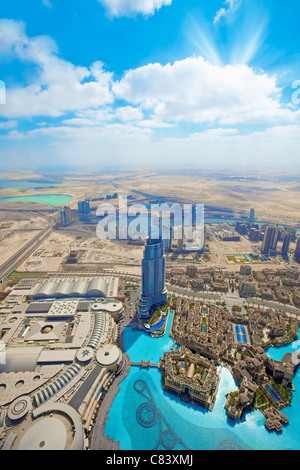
pixel 213 84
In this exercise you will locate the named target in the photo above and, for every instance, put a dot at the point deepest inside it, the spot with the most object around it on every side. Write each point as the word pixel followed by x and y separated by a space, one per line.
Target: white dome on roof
pixel 46 434
pixel 109 355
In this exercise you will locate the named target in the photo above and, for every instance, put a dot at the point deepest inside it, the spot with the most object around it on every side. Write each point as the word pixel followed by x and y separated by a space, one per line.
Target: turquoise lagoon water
pixel 144 417
pixel 50 199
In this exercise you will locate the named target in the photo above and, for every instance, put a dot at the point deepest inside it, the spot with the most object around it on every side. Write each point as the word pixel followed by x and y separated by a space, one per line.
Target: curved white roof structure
pixel 51 433
pixel 78 288
pixel 66 288
pixel 97 287
pixel 110 306
pixel 46 434
pixel 99 329
pixel 61 289
pixel 109 355
pixel 62 408
pixel 54 387
pixel 45 289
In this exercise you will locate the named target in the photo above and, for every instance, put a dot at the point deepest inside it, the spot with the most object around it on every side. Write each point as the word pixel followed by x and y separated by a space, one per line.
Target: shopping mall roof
pixel 74 287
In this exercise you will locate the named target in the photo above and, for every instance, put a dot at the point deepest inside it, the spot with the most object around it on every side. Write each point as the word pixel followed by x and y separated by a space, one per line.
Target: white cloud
pixel 220 13
pixel 7 125
pixel 231 7
pixel 98 129
pixel 194 90
pixel 133 7
pixel 59 86
pixel 274 147
pixel 128 113
pixel 191 90
pixel 123 145
pixel 47 3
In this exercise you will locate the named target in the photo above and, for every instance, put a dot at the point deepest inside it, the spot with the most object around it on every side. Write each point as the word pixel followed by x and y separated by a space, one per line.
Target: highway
pixel 26 250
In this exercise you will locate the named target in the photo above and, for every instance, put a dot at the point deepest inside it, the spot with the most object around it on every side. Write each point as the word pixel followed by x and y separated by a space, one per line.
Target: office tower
pixel 254 235
pixel 252 215
pixel 84 208
pixel 168 241
pixel 65 216
pixel 63 219
pixel 241 228
pixel 297 251
pixel 180 242
pixel 270 240
pixel 286 245
pixel 266 241
pixel 274 240
pixel 153 278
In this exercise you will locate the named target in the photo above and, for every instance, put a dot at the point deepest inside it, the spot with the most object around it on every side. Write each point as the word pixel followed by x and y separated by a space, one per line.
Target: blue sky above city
pixel 124 83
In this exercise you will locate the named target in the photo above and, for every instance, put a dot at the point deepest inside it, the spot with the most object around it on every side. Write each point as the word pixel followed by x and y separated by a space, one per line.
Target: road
pixel 274 305
pixel 234 300
pixel 27 250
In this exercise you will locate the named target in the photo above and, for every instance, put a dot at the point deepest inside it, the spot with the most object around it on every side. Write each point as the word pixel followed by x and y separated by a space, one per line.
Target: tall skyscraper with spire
pixel 154 292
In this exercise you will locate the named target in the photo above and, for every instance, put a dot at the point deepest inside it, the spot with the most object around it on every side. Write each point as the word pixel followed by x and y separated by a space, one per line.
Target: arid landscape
pixel 274 195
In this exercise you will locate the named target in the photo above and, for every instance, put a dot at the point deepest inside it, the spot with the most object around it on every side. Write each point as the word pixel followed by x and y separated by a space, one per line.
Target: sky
pixel 127 83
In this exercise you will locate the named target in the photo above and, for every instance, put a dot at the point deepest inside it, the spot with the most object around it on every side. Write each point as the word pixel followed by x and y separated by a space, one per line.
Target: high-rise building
pixel 254 235
pixel 242 228
pixel 84 208
pixel 168 241
pixel 252 215
pixel 274 240
pixel 180 242
pixel 265 249
pixel 269 244
pixel 297 251
pixel 65 216
pixel 286 245
pixel 153 278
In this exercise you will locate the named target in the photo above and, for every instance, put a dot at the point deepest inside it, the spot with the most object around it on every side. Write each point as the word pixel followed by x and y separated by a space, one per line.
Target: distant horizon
pixel 241 171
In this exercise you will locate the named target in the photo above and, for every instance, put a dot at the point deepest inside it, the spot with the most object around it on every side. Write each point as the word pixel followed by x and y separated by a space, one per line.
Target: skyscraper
pixel 252 215
pixel 266 241
pixel 153 278
pixel 270 240
pixel 297 251
pixel 168 241
pixel 84 208
pixel 286 245
pixel 65 216
pixel 274 240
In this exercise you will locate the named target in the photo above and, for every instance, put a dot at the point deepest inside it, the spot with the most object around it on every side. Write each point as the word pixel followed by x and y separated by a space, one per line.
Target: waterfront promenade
pixel 98 440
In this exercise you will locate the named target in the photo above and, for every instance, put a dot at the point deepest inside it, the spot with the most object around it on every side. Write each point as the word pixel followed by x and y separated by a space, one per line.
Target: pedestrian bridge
pixel 144 364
